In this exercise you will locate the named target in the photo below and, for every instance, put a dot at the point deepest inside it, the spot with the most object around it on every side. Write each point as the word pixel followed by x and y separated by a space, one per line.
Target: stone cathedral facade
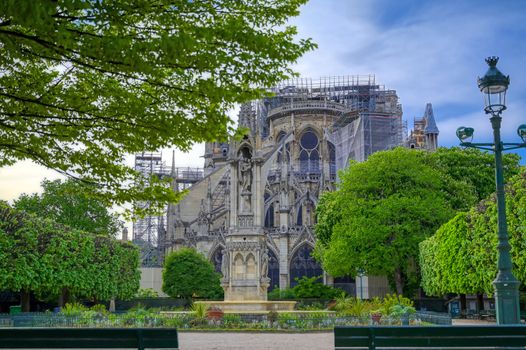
pixel 263 190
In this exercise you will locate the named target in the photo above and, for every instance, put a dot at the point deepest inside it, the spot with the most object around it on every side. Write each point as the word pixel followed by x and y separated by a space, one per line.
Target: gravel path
pixel 255 341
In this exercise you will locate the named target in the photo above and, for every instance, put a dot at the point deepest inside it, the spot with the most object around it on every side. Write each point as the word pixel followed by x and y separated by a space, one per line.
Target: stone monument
pixel 245 259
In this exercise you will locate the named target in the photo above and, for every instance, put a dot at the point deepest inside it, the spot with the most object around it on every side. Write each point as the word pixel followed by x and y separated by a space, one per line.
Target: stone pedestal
pixel 245 258
pixel 247 279
pixel 251 306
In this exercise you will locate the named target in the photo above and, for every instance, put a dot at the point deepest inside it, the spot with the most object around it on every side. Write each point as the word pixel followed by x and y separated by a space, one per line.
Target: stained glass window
pixel 273 270
pixel 303 264
pixel 309 156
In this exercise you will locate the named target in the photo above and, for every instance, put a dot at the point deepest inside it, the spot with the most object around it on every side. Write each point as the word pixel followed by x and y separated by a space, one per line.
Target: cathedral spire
pixel 431 126
pixel 247 116
pixel 431 130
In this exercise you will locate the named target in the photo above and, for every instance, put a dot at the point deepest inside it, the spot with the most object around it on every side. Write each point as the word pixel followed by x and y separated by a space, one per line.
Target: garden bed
pixel 291 321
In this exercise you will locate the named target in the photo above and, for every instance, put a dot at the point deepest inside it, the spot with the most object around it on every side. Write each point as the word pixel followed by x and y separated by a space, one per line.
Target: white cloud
pixel 23 177
pixel 433 52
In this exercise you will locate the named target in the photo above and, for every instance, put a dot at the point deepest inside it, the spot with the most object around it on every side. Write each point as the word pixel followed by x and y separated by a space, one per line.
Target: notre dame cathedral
pixel 298 138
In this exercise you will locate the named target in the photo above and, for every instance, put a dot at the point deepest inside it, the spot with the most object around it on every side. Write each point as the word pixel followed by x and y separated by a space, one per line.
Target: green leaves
pixel 85 83
pixel 68 203
pixel 462 256
pixel 188 274
pixel 382 210
pixel 39 255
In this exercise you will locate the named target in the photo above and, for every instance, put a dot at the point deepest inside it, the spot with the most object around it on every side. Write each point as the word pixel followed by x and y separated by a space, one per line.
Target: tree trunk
pixel 25 300
pixel 63 297
pixel 399 283
pixel 480 302
pixel 112 305
pixel 463 303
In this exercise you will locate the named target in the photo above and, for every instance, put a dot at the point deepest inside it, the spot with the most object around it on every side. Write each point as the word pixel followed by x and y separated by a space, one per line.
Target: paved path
pixel 269 341
pixel 255 341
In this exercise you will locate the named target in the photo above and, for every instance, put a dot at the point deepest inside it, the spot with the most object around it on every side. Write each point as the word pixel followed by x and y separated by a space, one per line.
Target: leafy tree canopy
pixel 84 83
pixel 475 167
pixel 67 203
pixel 462 256
pixel 388 204
pixel 48 259
pixel 188 274
pixel 383 209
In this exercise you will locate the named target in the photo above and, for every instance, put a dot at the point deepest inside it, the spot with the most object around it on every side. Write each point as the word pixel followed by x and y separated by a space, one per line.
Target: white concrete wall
pixel 368 287
pixel 152 277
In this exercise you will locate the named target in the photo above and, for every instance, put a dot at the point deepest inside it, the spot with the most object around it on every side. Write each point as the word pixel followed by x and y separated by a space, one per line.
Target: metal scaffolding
pixel 149 232
pixel 369 117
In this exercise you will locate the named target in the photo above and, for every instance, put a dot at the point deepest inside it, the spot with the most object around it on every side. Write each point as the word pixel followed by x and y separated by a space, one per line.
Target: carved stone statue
pixel 224 264
pixel 245 168
pixel 264 264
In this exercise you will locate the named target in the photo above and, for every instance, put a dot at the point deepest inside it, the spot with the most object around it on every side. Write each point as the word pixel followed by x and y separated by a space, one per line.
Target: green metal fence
pixel 282 321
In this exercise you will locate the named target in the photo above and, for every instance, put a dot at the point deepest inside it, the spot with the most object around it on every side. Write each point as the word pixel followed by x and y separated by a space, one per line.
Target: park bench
pixel 59 338
pixel 438 337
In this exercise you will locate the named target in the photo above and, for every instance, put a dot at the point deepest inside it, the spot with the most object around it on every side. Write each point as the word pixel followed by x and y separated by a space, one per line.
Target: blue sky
pixel 428 51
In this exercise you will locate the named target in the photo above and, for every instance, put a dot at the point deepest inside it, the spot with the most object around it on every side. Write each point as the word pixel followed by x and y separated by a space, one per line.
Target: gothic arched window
pixel 347 283
pixel 303 264
pixel 309 155
pixel 299 218
pixel 269 217
pixel 273 270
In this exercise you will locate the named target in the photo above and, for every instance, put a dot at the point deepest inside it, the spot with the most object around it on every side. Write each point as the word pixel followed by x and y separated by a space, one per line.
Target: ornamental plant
pixel 188 274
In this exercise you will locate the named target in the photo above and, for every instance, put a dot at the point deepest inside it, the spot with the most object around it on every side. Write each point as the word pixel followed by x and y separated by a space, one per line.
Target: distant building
pixel 299 138
pixel 425 131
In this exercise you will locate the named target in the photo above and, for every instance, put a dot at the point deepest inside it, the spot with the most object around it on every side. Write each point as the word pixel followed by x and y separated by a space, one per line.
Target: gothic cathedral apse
pixel 252 213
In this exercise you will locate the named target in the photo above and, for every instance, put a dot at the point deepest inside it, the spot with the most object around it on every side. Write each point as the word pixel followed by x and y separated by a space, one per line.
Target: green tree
pixel 462 256
pixel 41 257
pixel 475 167
pixel 84 83
pixel 22 269
pixel 66 202
pixel 385 207
pixel 188 274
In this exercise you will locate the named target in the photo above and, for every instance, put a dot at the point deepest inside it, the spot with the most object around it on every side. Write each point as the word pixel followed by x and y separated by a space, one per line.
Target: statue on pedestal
pixel 225 264
pixel 264 264
pixel 245 180
pixel 245 169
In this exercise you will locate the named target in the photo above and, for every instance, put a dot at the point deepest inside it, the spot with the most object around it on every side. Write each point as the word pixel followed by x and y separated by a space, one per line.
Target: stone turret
pixel 431 130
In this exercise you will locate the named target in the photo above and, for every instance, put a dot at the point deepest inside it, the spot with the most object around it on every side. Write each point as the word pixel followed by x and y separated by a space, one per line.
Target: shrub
pixel 99 308
pixel 199 310
pixel 73 309
pixel 310 287
pixel 272 316
pixel 397 311
pixel 310 307
pixel 232 321
pixel 146 293
pixel 277 294
pixel 391 300
pixel 188 274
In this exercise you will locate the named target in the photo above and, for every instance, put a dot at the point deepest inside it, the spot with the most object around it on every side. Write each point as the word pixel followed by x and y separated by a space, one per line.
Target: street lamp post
pixel 494 85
